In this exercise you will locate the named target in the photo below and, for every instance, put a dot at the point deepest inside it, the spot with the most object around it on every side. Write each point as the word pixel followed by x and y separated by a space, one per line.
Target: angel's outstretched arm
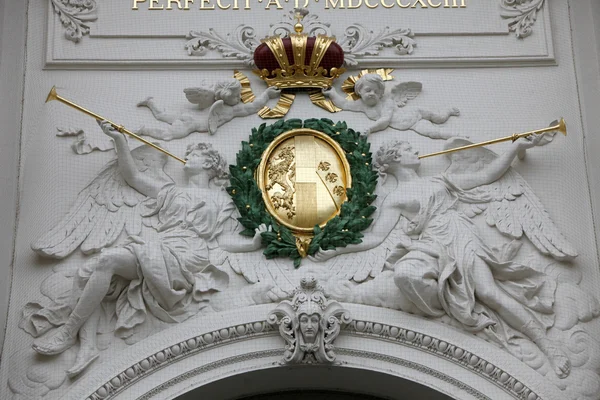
pixel 384 120
pixel 496 168
pixel 127 167
pixel 385 220
pixel 233 242
pixel 258 103
pixel 341 101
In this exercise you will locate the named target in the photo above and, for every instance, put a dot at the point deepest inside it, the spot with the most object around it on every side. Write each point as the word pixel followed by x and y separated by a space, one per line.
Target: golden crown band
pixel 300 76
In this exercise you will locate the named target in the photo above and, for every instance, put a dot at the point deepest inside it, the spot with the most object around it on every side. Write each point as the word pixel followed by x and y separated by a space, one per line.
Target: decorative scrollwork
pixel 521 15
pixel 359 41
pixel 309 323
pixel 84 144
pixel 74 16
pixel 240 44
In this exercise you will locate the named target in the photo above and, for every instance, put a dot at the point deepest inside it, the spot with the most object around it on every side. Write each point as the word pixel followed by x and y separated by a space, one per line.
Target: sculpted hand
pixel 273 92
pixel 326 92
pixel 529 141
pixel 275 294
pixel 257 240
pixel 526 143
pixel 323 255
pixel 108 130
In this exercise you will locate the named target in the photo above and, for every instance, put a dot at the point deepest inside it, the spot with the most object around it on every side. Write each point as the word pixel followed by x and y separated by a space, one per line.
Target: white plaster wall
pixel 596 14
pixel 585 22
pixel 12 42
pixel 1 24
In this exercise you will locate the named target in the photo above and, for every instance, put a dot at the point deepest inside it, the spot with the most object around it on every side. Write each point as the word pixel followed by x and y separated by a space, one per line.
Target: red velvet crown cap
pixel 264 58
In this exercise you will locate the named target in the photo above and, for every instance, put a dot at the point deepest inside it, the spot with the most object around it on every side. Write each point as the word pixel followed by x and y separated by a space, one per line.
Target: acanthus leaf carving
pixel 68 131
pixel 240 44
pixel 83 144
pixel 74 15
pixel 522 15
pixel 360 41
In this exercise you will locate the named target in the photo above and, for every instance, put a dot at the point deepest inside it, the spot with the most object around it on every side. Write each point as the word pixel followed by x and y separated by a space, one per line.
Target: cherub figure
pixel 225 104
pixel 389 111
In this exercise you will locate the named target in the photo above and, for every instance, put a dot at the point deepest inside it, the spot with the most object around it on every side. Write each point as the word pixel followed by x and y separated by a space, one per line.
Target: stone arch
pixel 217 347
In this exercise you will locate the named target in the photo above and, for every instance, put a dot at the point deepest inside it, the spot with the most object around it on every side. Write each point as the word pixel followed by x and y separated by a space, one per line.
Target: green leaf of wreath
pixel 340 231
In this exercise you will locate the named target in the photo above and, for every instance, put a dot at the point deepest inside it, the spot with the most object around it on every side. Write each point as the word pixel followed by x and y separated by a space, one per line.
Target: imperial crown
pixel 317 61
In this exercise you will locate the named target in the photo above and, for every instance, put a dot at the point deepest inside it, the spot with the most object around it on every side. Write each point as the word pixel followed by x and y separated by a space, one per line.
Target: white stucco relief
pixel 521 14
pixel 85 143
pixel 441 267
pixel 386 107
pixel 357 40
pixel 223 101
pixel 422 256
pixel 133 210
pixel 309 324
pixel 75 16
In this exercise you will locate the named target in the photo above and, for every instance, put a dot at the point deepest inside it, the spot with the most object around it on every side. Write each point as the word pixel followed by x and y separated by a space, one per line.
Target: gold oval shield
pixel 303 176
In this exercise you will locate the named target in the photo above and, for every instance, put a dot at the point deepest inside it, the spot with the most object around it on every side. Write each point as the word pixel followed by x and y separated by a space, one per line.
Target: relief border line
pixel 358 328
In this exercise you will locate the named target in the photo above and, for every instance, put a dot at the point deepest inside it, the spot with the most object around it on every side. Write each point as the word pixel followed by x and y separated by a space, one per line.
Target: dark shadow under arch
pixel 313 383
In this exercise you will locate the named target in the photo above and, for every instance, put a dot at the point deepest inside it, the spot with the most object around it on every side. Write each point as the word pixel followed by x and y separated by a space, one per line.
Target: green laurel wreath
pixel 340 231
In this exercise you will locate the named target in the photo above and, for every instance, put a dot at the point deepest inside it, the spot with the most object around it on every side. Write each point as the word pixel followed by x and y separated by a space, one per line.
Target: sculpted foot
pixel 455 112
pixel 85 357
pixel 55 343
pixel 144 103
pixel 559 360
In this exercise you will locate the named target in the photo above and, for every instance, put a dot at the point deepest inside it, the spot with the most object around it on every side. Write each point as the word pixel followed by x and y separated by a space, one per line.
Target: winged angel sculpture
pixel 440 262
pixel 387 110
pixel 166 274
pixel 224 100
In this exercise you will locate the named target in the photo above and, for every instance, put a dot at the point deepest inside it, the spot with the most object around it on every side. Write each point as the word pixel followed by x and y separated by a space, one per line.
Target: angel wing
pixel 203 96
pixel 255 268
pixel 103 209
pixel 216 116
pixel 509 204
pixel 405 91
pixel 367 264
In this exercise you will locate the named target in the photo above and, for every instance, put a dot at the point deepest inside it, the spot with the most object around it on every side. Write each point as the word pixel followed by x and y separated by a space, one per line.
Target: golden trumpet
pixel 54 96
pixel 561 126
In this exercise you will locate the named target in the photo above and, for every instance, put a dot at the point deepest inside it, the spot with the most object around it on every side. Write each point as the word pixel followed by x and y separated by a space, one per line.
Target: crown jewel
pixel 316 61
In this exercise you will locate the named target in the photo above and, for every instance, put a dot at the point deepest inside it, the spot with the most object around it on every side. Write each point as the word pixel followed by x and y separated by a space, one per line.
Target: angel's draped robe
pixel 441 264
pixel 174 273
pixel 174 270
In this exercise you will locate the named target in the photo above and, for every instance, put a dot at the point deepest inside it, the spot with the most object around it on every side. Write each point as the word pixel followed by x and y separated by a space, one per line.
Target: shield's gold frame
pixel 303 235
